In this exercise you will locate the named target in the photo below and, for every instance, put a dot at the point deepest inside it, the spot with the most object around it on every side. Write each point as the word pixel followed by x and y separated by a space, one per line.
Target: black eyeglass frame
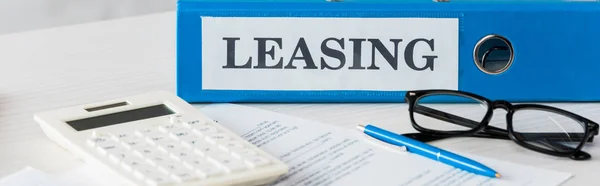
pixel 482 129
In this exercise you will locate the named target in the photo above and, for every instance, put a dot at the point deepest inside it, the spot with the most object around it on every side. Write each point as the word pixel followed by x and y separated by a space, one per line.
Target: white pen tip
pixel 360 127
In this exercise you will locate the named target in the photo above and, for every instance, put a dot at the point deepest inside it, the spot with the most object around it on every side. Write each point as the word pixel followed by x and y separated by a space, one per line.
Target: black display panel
pixel 120 117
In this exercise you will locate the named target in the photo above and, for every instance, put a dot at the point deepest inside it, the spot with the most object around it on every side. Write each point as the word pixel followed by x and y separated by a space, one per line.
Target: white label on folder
pixel 387 54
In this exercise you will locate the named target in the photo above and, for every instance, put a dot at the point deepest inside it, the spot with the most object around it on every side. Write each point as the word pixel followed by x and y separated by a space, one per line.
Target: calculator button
pixel 181 154
pixel 132 142
pixel 216 138
pixel 153 138
pixel 231 145
pixel 144 131
pixel 205 130
pixel 144 151
pixel 129 163
pixel 106 147
pixel 167 166
pixel 120 136
pixel 256 161
pixel 195 162
pixel 205 150
pixel 117 155
pixel 168 127
pixel 209 171
pixel 175 119
pixel 194 123
pixel 183 174
pixel 188 158
pixel 157 179
pixel 179 134
pixel 228 163
pixel 158 159
pixel 235 166
pixel 178 172
pixel 96 140
pixel 239 153
pixel 167 146
pixel 199 144
pixel 142 170
pixel 193 141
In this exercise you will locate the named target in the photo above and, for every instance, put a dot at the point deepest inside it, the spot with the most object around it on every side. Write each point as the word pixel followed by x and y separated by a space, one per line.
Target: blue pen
pixel 429 151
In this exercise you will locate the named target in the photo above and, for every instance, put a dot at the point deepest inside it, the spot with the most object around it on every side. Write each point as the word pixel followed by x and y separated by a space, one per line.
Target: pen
pixel 429 151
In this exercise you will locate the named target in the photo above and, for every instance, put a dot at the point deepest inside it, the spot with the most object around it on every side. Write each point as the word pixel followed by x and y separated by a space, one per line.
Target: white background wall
pixel 25 15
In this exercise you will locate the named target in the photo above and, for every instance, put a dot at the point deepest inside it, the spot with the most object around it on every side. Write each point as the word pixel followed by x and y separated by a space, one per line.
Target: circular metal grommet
pixel 493 54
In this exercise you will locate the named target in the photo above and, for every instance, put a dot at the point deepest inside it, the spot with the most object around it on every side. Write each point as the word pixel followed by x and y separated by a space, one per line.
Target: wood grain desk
pixel 64 66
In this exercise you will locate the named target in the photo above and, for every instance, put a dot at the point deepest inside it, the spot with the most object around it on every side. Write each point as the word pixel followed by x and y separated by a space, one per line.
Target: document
pixel 320 154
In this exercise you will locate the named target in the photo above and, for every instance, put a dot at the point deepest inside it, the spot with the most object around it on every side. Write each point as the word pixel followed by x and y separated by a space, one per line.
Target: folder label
pixel 312 53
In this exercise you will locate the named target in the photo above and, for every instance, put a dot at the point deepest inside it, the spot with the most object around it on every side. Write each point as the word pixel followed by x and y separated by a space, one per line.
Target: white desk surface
pixel 84 63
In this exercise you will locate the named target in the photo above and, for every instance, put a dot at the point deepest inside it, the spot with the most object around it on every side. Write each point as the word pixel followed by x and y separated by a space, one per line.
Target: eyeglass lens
pixel 540 128
pixel 548 130
pixel 429 113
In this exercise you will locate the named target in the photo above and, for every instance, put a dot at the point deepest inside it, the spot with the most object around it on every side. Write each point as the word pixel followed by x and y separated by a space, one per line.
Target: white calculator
pixel 158 139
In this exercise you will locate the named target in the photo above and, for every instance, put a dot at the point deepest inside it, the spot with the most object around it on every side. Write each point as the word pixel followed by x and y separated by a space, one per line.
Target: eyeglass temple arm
pixel 444 116
pixel 427 137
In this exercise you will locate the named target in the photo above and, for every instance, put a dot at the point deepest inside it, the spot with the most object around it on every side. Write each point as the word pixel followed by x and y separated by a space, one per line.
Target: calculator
pixel 158 139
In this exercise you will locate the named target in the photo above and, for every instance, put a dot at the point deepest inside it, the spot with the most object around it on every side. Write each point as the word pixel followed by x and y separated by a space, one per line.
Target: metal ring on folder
pixel 487 52
pixel 480 62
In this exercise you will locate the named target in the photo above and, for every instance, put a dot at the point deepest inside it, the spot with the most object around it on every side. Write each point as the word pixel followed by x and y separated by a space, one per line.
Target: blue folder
pixel 376 50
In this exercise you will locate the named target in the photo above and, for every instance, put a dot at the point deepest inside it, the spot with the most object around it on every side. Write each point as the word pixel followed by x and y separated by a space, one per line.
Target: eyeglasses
pixel 540 128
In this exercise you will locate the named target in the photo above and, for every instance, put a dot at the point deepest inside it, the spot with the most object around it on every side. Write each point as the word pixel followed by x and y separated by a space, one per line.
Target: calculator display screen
pixel 120 117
